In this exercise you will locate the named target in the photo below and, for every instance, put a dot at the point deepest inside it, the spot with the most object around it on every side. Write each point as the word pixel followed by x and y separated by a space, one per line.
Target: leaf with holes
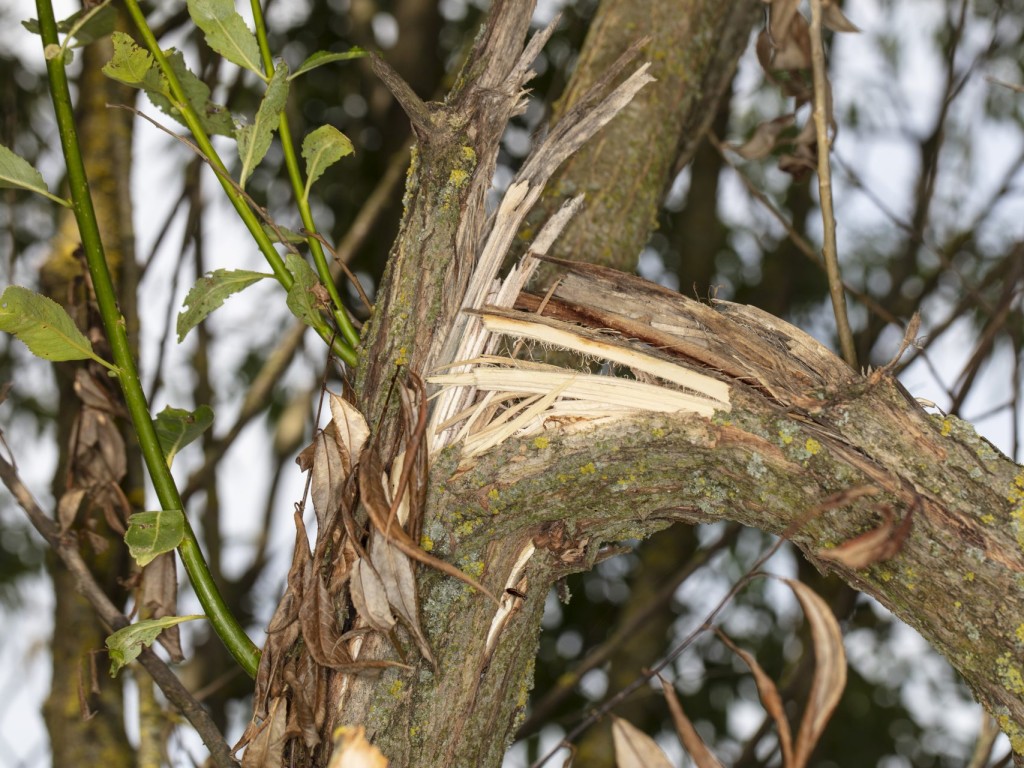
pixel 153 533
pixel 176 428
pixel 125 645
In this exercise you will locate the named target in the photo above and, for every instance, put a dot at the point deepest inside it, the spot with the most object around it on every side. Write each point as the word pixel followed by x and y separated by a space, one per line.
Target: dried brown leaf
pixel 160 597
pixel 370 596
pixel 329 476
pixel 688 736
pixel 634 748
pixel 770 698
pixel 352 750
pixel 266 744
pixel 832 17
pixel 352 430
pixel 68 506
pixel 788 50
pixel 319 621
pixel 377 507
pixel 874 546
pixel 396 572
pixel 764 139
pixel 829 671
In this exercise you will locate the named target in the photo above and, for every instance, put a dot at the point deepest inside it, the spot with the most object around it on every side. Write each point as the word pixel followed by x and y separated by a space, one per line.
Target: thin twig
pixel 821 124
pixel 66 548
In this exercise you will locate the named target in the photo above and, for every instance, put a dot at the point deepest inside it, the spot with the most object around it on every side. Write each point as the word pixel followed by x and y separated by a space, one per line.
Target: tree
pixel 773 429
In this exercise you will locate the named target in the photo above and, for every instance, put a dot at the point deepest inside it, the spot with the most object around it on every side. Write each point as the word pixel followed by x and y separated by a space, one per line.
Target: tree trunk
pixel 794 432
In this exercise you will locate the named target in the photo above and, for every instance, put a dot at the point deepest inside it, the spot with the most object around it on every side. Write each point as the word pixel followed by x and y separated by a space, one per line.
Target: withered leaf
pixel 370 597
pixel 329 475
pixel 770 698
pixel 352 430
pixel 266 746
pixel 634 748
pixel 829 671
pixel 396 573
pixel 832 17
pixel 688 736
pixel 874 546
pixel 764 139
pixel 160 597
pixel 787 50
pixel 377 506
pixel 68 506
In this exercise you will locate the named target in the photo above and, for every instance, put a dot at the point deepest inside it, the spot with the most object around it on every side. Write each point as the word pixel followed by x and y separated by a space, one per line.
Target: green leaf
pixel 254 140
pixel 215 118
pixel 302 299
pixel 125 645
pixel 320 58
pixel 44 326
pixel 288 235
pixel 152 533
pixel 176 428
pixel 131 64
pixel 321 149
pixel 92 25
pixel 226 32
pixel 16 173
pixel 209 292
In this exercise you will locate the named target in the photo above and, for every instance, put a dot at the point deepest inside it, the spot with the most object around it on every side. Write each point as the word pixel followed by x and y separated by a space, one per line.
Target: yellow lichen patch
pixel 1010 675
pixel 1016 498
pixel 658 432
pixel 947 427
pixel 457 177
pixel 812 446
pixel 474 569
pixel 1013 731
pixel 493 494
pixel 403 356
pixel 588 469
pixel 541 442
pixel 426 543
pixel 988 518
pixel 786 439
pixel 469 155
pixel 396 688
pixel 1020 633
pixel 969 576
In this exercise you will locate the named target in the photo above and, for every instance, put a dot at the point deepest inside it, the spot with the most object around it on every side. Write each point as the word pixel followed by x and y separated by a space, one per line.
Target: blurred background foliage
pixel 927 170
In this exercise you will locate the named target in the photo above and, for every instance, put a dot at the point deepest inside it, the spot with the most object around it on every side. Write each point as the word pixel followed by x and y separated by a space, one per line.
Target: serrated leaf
pixel 152 533
pixel 177 427
pixel 302 300
pixel 226 32
pixel 17 173
pixel 209 292
pixel 125 645
pixel 320 58
pixel 321 149
pixel 254 140
pixel 43 326
pixel 130 63
pixel 215 118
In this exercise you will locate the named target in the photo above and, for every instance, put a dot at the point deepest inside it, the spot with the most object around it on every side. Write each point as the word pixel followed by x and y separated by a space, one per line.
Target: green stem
pixel 224 623
pixel 344 349
pixel 298 185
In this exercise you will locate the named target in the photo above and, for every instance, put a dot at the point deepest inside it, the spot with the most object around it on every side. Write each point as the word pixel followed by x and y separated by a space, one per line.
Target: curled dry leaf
pixel 396 574
pixel 352 750
pixel 770 698
pixel 634 748
pixel 266 748
pixel 833 18
pixel 352 430
pixel 764 139
pixel 874 546
pixel 370 596
pixel 829 671
pixel 688 736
